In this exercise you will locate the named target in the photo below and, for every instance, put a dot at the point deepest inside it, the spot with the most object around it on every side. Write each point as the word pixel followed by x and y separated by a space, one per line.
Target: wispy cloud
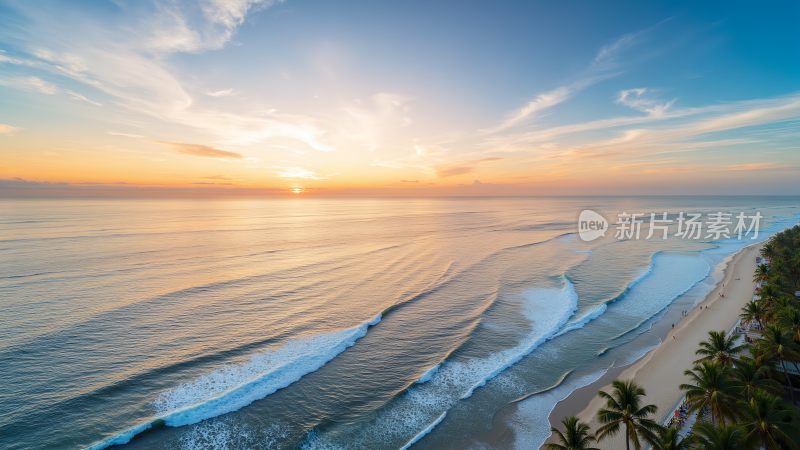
pixel 748 167
pixel 180 27
pixel 221 93
pixel 8 130
pixel 134 72
pixel 753 113
pixel 130 135
pixel 540 103
pixel 377 121
pixel 18 187
pixel 608 57
pixel 201 150
pixel 76 96
pixel 609 52
pixel 30 83
pixel 600 69
pixel 449 171
pixel 297 173
pixel 692 132
pixel 36 84
pixel 462 168
pixel 640 100
pixel 646 131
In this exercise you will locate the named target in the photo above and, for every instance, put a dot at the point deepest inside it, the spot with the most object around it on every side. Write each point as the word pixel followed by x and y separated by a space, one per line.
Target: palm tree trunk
pixel 627 437
pixel 788 381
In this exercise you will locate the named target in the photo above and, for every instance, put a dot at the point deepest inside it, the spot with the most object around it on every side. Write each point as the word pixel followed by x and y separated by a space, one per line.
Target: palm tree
pixel 768 250
pixel 777 346
pixel 761 273
pixel 790 319
pixel 723 437
pixel 748 375
pixel 769 295
pixel 576 436
pixel 761 357
pixel 710 387
pixel 767 422
pixel 624 407
pixel 779 306
pixel 718 348
pixel 753 312
pixel 669 439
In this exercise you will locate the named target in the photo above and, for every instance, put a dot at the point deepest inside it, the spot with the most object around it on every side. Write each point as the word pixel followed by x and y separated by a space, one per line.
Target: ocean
pixel 329 323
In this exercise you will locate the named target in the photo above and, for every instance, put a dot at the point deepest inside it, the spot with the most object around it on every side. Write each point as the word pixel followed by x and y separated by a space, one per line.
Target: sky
pixel 301 97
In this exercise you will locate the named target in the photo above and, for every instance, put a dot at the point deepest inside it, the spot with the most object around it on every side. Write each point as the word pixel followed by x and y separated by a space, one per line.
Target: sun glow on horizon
pixel 180 96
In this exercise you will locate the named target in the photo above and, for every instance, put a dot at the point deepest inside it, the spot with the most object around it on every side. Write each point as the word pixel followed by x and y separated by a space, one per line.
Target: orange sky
pixel 233 102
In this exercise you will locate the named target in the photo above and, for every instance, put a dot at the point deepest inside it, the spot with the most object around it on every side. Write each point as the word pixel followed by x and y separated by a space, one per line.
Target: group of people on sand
pixel 685 312
pixel 679 418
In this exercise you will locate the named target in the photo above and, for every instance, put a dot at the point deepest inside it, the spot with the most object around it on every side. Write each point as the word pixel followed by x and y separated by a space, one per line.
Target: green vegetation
pixel 576 436
pixel 743 395
pixel 624 409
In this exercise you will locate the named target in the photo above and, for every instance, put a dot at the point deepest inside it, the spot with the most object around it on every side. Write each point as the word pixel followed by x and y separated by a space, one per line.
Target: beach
pixel 661 371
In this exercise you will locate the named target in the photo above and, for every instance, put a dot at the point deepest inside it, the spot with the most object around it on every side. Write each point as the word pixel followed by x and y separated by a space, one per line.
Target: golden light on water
pixel 297 190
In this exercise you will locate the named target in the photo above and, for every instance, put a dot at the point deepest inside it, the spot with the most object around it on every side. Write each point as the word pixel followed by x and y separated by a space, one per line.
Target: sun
pixel 297 190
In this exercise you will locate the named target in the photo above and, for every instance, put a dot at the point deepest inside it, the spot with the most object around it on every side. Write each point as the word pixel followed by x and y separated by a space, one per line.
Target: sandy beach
pixel 661 371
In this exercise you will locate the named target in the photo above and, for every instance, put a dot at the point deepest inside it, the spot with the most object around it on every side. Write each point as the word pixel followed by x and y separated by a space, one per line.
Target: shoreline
pixel 660 371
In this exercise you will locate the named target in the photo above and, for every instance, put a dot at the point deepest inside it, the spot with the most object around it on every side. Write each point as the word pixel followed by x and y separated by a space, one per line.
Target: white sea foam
pixel 424 406
pixel 233 387
pixel 667 277
pixel 585 318
pixel 121 438
pixel 598 310
pixel 671 276
pixel 428 374
pixel 530 420
pixel 548 309
pixel 422 433
pixel 552 314
pixel 635 356
pixel 230 434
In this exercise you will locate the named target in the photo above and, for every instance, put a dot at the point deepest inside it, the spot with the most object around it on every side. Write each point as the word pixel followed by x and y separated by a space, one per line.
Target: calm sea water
pixel 325 323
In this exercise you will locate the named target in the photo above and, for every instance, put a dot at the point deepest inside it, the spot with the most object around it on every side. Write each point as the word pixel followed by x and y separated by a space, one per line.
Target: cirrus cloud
pixel 201 150
pixel 640 100
pixel 297 173
pixel 462 168
pixel 8 130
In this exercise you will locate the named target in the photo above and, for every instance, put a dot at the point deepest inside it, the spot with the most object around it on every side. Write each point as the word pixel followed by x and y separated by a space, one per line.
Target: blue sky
pixel 410 97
